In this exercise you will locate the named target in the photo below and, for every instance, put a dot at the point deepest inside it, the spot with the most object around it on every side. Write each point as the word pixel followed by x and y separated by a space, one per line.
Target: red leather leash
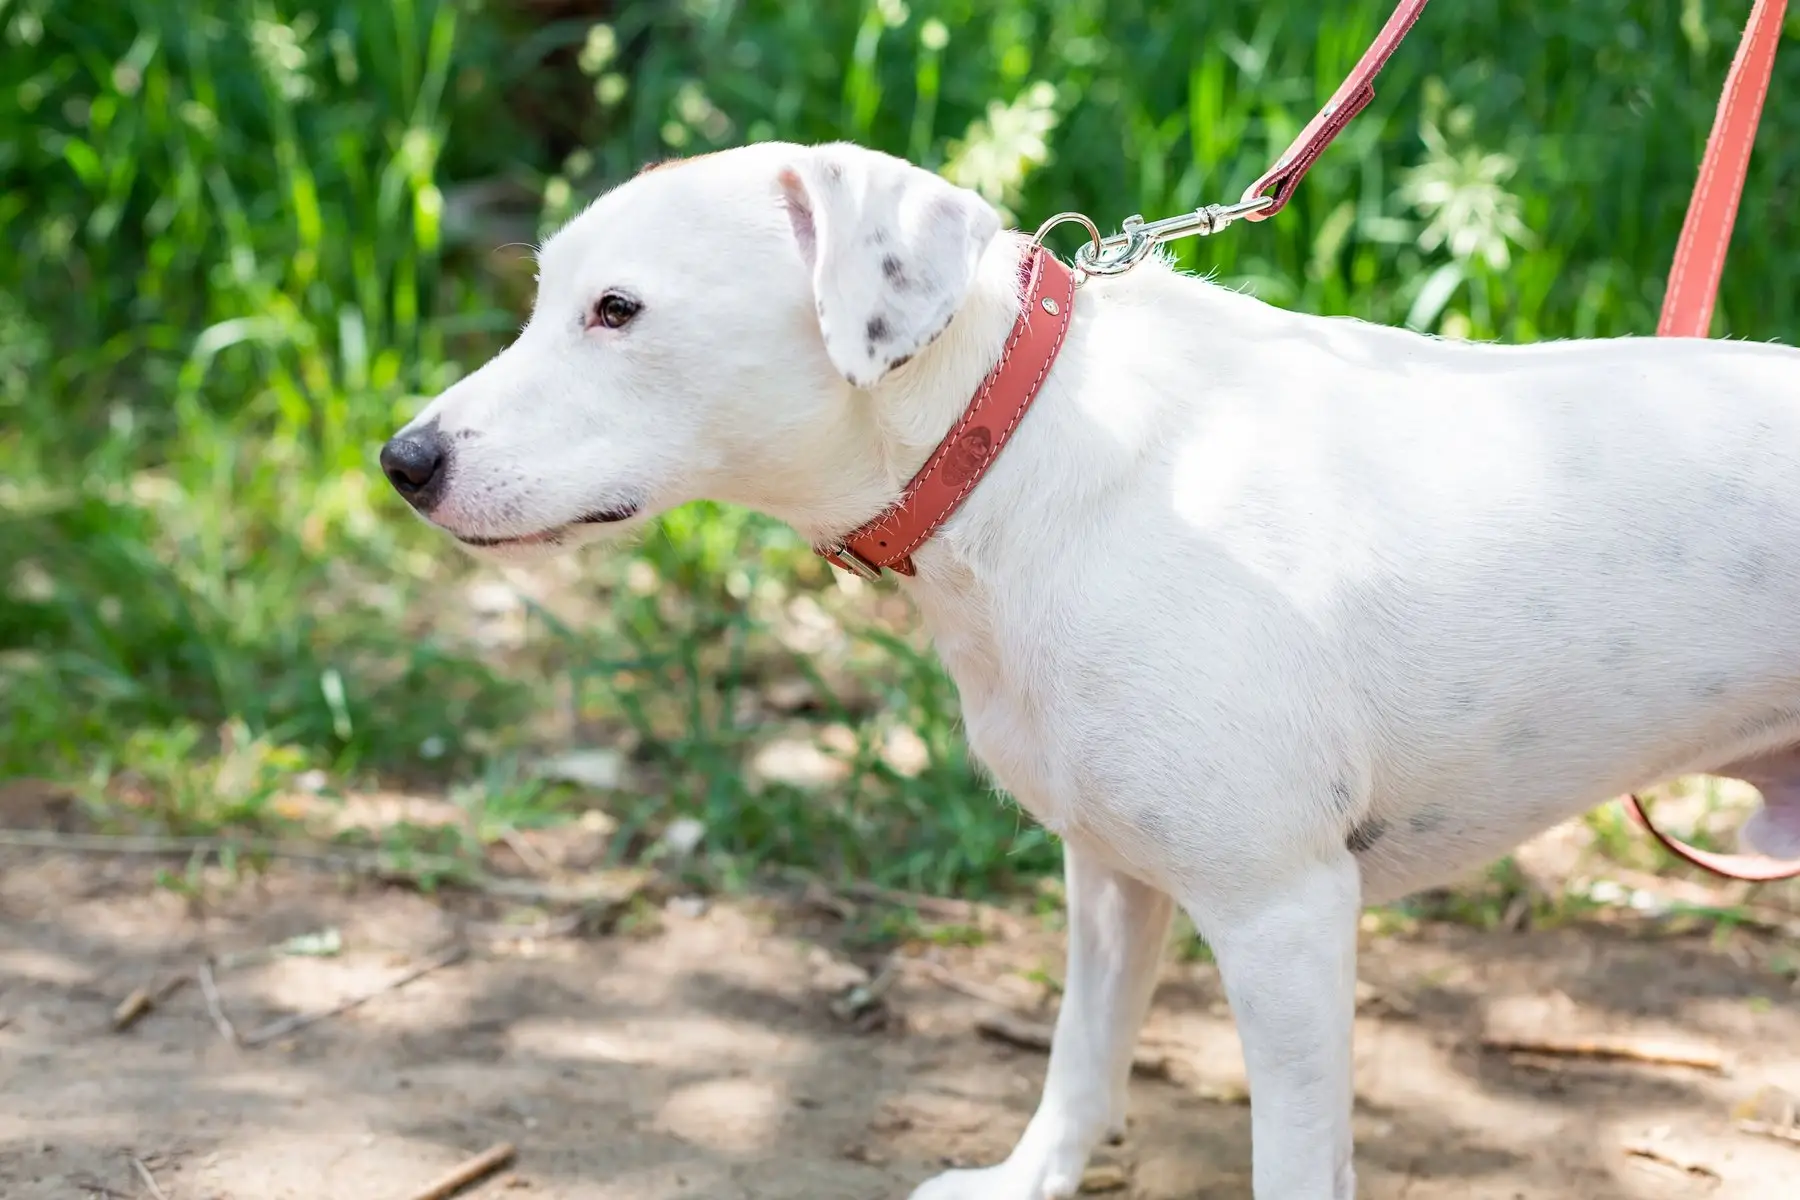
pixel 1706 231
pixel 1688 307
pixel 1352 96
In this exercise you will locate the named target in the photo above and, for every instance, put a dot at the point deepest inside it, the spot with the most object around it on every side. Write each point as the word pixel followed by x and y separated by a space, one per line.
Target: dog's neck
pixel 915 408
pixel 901 420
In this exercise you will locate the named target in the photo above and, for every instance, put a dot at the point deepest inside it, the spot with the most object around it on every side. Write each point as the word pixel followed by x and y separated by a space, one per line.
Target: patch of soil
pixel 700 1056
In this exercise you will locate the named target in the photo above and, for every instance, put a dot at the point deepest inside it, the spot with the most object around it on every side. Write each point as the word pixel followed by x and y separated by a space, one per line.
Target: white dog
pixel 1266 615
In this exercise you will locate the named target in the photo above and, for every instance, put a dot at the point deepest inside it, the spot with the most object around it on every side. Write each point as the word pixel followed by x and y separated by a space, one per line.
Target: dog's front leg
pixel 1117 927
pixel 1287 957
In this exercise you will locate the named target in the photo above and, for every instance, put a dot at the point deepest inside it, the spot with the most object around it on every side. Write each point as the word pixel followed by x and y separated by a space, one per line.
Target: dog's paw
pixel 1773 830
pixel 1003 1182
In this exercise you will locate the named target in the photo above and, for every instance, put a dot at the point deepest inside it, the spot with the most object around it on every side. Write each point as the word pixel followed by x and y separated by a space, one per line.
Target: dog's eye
pixel 613 311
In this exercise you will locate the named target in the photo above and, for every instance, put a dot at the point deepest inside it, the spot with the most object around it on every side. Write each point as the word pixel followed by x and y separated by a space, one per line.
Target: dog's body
pixel 1267 615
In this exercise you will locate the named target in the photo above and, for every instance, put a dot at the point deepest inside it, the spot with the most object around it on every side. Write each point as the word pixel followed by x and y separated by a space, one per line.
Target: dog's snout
pixel 414 464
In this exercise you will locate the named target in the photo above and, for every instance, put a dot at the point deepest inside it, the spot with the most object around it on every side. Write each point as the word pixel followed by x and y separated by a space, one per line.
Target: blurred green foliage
pixel 241 240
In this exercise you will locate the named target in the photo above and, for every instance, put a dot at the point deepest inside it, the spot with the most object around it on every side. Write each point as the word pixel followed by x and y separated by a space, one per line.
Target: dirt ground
pixel 694 1052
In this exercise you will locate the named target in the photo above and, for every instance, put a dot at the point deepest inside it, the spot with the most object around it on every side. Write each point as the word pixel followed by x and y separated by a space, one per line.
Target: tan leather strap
pixel 1694 286
pixel 1751 868
pixel 1688 306
pixel 1351 97
pixel 1706 232
pixel 976 439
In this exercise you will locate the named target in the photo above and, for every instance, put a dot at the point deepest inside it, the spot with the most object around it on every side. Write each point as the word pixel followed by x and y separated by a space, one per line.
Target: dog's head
pixel 710 329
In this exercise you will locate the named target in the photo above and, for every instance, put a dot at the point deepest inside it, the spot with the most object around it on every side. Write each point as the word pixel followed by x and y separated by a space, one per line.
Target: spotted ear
pixel 892 249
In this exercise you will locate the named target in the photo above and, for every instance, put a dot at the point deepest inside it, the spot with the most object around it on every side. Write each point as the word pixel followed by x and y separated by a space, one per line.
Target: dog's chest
pixel 1002 671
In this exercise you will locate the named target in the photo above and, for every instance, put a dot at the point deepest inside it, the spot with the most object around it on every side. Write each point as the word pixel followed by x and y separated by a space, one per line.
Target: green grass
pixel 245 240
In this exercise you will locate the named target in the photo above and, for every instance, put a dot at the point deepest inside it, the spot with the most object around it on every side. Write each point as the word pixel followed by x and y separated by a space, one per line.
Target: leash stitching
pixel 1019 414
pixel 935 462
pixel 1711 166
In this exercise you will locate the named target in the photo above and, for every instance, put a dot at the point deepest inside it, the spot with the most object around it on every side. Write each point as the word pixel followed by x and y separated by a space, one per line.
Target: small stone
pixel 683 836
pixel 687 907
pixel 597 768
pixel 1104 1177
pixel 797 763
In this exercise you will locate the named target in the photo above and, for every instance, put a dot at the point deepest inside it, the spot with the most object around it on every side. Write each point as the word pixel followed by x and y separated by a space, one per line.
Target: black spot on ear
pixel 878 238
pixel 895 364
pixel 895 271
pixel 1365 834
pixel 877 329
pixel 938 332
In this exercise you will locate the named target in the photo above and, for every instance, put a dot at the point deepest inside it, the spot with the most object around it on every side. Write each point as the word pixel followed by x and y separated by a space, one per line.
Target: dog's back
pixel 1483 587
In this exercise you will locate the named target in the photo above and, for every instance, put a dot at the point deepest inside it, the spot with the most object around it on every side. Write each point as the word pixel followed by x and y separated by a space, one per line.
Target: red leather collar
pixel 973 443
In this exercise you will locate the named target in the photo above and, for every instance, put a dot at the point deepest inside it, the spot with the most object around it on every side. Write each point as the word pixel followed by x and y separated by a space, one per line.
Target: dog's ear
pixel 892 249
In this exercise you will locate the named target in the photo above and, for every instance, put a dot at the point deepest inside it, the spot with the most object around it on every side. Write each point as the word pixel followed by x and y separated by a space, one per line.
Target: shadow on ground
pixel 701 1059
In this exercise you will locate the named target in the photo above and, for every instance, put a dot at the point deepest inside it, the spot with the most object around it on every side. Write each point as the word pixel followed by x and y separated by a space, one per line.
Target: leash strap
pixel 1749 868
pixel 1351 97
pixel 1688 307
pixel 1706 232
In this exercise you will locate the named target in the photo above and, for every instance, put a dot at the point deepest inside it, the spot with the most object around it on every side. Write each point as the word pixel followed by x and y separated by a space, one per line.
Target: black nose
pixel 414 464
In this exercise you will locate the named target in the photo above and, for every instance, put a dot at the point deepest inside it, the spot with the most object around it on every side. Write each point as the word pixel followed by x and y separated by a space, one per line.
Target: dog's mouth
pixel 554 535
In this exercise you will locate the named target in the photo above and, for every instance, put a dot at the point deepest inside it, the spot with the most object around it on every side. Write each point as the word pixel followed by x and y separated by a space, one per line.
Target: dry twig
pixel 960 912
pixel 1669 1156
pixel 1030 1035
pixel 467 1172
pixel 167 844
pixel 287 1025
pixel 131 1008
pixel 143 999
pixel 943 977
pixel 215 1005
pixel 1769 1129
pixel 817 895
pixel 156 1192
pixel 528 854
pixel 544 930
pixel 610 889
pixel 1616 1049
